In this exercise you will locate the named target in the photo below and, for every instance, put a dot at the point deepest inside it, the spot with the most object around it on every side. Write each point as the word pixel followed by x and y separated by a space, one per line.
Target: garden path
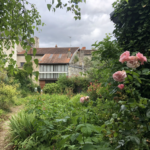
pixel 5 127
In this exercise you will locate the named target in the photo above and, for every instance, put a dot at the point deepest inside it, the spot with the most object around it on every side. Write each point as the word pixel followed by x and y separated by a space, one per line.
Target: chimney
pixel 56 46
pixel 69 53
pixel 83 48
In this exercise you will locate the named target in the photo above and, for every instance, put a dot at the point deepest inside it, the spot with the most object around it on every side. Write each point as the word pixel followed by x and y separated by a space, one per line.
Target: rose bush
pixel 128 127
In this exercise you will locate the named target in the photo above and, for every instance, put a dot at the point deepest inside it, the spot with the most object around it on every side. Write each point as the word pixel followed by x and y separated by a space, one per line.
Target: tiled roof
pixel 55 59
pixel 54 50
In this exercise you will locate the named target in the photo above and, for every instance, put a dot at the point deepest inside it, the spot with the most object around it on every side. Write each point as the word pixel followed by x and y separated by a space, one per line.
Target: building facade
pixel 17 49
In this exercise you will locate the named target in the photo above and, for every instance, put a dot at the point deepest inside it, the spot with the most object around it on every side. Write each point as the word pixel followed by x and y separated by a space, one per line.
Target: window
pixel 59 55
pixel 52 71
pixel 51 55
pixel 21 64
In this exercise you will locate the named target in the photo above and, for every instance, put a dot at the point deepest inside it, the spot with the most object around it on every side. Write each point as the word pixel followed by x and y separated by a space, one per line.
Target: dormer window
pixel 59 55
pixel 51 55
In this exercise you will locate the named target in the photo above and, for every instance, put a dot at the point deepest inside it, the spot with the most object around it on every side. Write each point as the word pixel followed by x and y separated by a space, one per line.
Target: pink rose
pixel 119 76
pixel 121 86
pixel 141 58
pixel 82 100
pixel 133 62
pixel 124 57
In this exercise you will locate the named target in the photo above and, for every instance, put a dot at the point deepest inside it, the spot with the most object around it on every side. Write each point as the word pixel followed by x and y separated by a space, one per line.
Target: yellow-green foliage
pixel 8 94
pixel 3 75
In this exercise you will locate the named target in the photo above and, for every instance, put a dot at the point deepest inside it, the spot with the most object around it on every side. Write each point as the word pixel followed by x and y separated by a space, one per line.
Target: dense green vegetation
pixel 113 110
pixel 68 85
pixel 60 123
pixel 13 88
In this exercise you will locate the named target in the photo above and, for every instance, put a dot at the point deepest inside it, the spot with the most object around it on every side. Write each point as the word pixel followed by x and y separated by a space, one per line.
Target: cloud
pixel 94 24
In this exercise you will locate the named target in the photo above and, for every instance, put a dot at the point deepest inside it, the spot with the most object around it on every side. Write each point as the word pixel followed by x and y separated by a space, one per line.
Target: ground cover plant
pixel 62 123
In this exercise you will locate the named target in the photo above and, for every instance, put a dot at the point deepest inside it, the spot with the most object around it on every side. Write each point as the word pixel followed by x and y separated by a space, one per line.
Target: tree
pixel 72 5
pixel 133 29
pixel 104 60
pixel 17 24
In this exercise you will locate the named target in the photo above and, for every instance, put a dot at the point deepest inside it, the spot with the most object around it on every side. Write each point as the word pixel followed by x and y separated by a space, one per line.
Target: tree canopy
pixel 133 29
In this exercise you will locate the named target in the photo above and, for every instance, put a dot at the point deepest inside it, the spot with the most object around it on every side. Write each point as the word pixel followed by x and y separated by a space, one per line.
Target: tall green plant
pixel 105 59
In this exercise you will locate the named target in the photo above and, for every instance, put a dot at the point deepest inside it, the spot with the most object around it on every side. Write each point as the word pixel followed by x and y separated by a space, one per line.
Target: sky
pixel 60 26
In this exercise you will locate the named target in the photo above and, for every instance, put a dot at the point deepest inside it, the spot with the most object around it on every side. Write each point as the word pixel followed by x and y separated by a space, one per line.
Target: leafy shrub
pixel 8 94
pixel 21 76
pixel 92 90
pixel 3 75
pixel 69 92
pixel 65 82
pixel 73 82
pixel 51 88
pixel 104 92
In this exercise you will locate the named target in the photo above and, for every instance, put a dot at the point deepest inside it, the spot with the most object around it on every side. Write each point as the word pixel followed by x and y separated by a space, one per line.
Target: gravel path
pixel 5 127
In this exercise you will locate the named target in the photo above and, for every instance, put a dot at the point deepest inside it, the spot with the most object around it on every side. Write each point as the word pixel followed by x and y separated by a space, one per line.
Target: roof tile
pixel 55 59
pixel 55 50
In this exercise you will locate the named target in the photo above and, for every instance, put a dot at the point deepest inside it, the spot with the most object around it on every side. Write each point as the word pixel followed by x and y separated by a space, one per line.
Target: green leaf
pixel 145 71
pixel 28 47
pixel 32 40
pixel 130 77
pixel 34 51
pixel 79 138
pixel 7 32
pixel 115 134
pixel 88 147
pixel 79 126
pixel 10 55
pixel 134 139
pixel 49 6
pixel 74 137
pixel 28 58
pixel 29 69
pixel 36 73
pixel 135 74
pixel 36 61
